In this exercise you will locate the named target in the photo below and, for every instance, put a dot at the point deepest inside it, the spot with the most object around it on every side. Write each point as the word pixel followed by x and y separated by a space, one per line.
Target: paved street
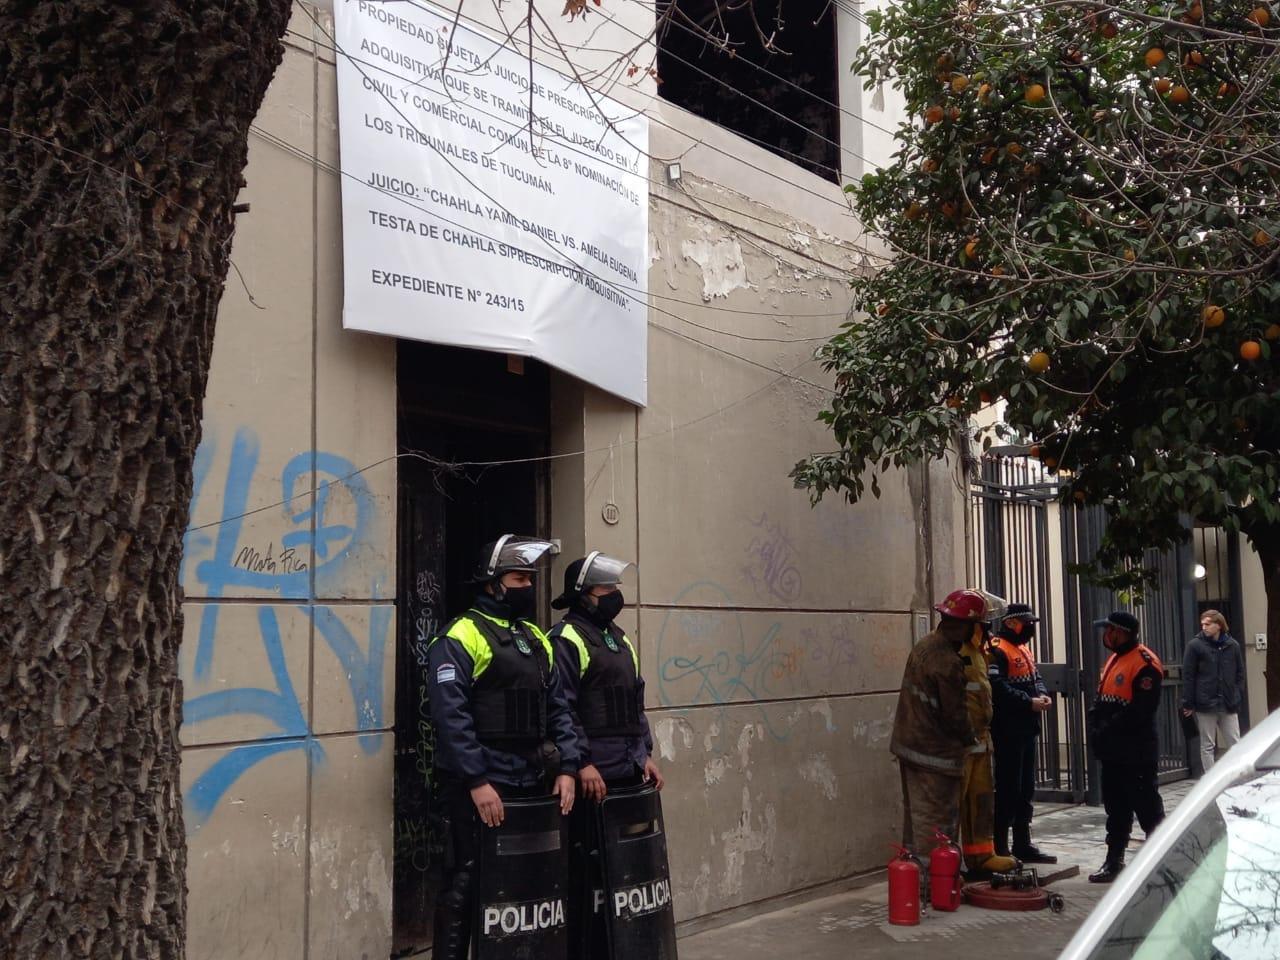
pixel 854 923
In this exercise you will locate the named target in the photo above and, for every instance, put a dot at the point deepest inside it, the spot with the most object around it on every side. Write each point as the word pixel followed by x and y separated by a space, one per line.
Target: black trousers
pixel 1129 789
pixel 1015 770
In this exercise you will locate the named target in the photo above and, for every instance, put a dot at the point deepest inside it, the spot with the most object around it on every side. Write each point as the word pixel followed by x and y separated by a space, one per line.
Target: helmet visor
pixel 996 606
pixel 600 570
pixel 517 553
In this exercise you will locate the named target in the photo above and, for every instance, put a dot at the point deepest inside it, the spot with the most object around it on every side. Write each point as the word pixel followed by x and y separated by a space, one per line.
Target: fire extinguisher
pixel 944 874
pixel 904 888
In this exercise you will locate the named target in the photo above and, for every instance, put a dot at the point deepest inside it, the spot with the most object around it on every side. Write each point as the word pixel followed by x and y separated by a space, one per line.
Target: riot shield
pixel 520 893
pixel 640 921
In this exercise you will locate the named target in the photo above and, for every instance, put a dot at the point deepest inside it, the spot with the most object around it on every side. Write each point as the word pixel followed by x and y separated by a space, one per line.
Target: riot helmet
pixel 594 570
pixel 510 554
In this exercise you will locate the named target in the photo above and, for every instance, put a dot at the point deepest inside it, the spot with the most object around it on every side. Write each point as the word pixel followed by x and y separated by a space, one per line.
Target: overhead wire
pixel 459 465
pixel 792 231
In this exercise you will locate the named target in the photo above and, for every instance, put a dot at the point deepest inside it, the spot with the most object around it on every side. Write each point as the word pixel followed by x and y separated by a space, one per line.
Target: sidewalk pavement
pixel 855 922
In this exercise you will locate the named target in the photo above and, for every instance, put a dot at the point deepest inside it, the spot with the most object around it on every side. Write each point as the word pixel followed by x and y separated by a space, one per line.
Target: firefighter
pixel 1020 697
pixel 977 796
pixel 931 730
pixel 1122 730
pixel 503 729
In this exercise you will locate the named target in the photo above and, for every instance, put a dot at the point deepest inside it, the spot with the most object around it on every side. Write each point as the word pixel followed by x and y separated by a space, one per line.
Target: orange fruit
pixel 1180 94
pixel 882 309
pixel 984 91
pixel 933 115
pixel 1228 89
pixel 1034 94
pixel 1250 350
pixel 1110 31
pixel 914 210
pixel 1259 15
pixel 954 402
pixel 1261 238
pixel 1272 332
pixel 989 155
pixel 971 249
pixel 1194 59
pixel 1154 57
pixel 984 396
pixel 1213 316
pixel 997 271
pixel 959 83
pixel 1130 255
pixel 1163 86
pixel 1050 462
pixel 1195 13
pixel 1035 450
pixel 953 114
pixel 1013 149
pixel 1038 363
pixel 929 165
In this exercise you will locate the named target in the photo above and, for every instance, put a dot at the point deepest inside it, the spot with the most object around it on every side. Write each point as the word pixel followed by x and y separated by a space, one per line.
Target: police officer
pixel 600 673
pixel 503 729
pixel 1122 729
pixel 1020 697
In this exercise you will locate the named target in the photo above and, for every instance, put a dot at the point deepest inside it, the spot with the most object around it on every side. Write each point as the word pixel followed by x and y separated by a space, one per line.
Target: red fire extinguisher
pixel 944 874
pixel 904 889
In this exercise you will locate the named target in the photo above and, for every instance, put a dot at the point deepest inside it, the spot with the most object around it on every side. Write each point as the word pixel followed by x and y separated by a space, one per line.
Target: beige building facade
pixel 330 519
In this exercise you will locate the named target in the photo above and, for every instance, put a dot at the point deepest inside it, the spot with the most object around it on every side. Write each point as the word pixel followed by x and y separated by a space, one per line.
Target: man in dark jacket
pixel 1122 732
pixel 1020 697
pixel 1213 686
pixel 932 734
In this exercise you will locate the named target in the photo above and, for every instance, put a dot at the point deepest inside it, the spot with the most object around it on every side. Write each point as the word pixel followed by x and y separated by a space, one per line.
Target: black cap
pixel 1020 611
pixel 571 593
pixel 1121 619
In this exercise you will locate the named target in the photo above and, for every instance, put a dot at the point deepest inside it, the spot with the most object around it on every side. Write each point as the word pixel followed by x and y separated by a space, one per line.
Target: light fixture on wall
pixel 674 173
pixel 1199 572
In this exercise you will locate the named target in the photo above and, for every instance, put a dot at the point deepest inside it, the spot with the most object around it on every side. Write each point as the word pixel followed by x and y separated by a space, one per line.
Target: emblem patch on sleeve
pixel 446 673
pixel 1147 683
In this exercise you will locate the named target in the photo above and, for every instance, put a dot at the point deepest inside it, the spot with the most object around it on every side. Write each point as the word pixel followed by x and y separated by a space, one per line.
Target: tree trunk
pixel 123 138
pixel 1267 543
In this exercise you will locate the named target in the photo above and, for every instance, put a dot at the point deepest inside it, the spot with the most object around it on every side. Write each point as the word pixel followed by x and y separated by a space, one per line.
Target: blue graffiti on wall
pixel 227 562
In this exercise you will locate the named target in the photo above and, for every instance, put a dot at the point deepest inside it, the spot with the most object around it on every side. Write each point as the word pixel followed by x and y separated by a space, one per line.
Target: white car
pixel 1206 886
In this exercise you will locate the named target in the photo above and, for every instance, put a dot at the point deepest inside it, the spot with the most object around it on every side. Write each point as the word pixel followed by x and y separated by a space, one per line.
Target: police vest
pixel 1022 662
pixel 1116 684
pixel 509 685
pixel 609 670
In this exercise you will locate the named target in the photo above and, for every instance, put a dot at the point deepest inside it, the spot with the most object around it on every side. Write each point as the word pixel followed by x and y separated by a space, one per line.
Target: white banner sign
pixel 459 227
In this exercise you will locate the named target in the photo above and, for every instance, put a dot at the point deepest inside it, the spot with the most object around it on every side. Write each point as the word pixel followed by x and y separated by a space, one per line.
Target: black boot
pixel 1110 870
pixel 451 936
pixel 1002 840
pixel 1025 850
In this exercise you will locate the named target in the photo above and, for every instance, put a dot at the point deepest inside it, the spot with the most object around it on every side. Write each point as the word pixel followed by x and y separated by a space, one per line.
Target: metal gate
pixel 1025 543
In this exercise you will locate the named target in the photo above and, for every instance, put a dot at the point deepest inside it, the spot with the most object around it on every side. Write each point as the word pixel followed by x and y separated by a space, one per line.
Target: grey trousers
pixel 1219 732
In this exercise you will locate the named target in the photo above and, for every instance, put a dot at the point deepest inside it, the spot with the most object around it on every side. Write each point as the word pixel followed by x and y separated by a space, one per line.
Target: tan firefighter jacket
pixel 932 729
pixel 977 694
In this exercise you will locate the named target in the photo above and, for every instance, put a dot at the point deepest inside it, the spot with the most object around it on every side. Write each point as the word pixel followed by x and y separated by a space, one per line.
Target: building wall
pixel 772 634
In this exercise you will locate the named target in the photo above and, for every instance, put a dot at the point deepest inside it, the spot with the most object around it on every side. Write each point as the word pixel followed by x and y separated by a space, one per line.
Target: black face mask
pixel 521 601
pixel 609 606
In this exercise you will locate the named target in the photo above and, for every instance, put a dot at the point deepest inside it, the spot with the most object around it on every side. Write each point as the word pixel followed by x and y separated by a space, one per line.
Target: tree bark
pixel 123 138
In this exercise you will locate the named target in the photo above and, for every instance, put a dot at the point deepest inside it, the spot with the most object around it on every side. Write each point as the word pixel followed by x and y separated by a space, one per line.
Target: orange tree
pixel 1083 216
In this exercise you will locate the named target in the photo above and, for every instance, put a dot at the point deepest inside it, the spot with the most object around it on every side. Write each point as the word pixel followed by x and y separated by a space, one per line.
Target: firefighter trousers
pixel 977 809
pixel 930 802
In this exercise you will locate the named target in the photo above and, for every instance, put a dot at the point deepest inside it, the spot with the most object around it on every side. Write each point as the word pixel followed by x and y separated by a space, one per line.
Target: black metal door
pixel 462 417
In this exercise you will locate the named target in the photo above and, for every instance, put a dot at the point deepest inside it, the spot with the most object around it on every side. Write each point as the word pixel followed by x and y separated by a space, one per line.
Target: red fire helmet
pixel 964 605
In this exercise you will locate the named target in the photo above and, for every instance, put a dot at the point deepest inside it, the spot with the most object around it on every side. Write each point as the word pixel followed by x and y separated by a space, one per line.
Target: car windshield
pixel 1216 893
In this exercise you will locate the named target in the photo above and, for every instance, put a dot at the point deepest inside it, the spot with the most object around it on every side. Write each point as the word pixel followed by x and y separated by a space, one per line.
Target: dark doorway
pixel 460 413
